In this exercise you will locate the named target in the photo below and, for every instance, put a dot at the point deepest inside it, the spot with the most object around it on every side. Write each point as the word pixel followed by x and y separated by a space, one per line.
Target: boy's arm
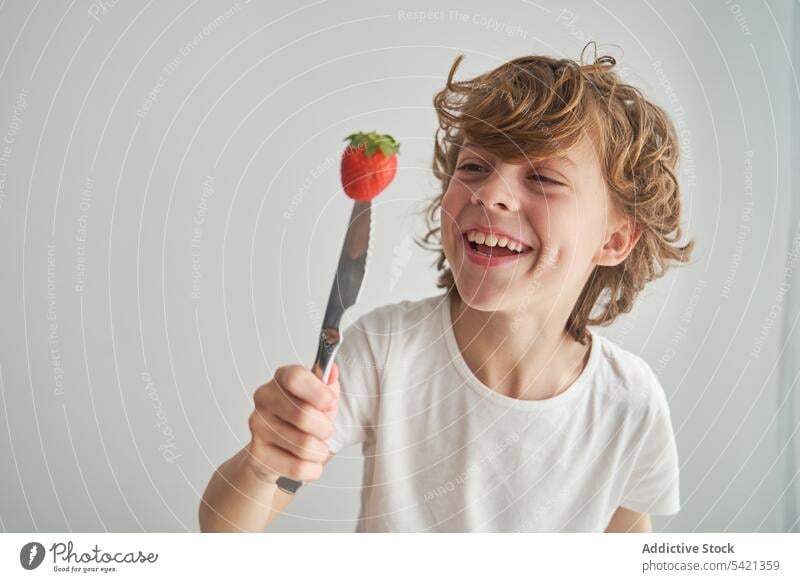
pixel 238 500
pixel 626 520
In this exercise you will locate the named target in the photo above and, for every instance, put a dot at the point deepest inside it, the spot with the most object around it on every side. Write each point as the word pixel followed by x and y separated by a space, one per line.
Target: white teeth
pixel 492 240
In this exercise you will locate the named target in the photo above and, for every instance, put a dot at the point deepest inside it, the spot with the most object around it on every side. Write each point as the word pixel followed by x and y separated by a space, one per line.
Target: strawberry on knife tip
pixel 369 164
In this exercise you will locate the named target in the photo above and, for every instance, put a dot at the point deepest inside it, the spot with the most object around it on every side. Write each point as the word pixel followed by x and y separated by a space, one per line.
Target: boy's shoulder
pixel 627 376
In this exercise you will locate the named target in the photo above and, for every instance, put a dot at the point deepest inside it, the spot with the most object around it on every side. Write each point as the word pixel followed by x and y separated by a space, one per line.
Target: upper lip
pixel 498 233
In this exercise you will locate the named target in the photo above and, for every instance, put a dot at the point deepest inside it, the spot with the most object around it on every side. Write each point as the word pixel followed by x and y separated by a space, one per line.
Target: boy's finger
pixel 298 382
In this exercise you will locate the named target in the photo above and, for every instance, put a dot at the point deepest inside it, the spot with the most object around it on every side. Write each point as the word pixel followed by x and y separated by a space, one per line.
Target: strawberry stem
pixel 373 141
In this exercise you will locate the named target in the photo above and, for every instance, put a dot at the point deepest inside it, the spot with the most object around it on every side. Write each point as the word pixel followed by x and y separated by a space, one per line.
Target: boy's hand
pixel 293 417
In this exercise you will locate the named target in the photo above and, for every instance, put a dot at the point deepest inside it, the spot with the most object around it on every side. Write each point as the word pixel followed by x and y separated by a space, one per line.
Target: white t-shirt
pixel 444 452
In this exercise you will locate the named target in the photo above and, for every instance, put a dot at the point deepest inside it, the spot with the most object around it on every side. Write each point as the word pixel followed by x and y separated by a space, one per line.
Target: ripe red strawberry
pixel 369 164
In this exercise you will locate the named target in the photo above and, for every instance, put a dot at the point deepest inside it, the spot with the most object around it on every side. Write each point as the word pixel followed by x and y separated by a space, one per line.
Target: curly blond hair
pixel 536 107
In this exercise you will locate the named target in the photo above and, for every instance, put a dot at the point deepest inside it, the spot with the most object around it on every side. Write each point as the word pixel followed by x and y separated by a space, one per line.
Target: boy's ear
pixel 620 243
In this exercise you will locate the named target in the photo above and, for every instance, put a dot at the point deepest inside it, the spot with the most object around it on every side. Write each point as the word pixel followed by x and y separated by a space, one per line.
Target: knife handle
pixel 329 340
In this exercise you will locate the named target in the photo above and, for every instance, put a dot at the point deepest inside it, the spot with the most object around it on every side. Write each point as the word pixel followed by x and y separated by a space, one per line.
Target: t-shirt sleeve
pixel 361 360
pixel 654 485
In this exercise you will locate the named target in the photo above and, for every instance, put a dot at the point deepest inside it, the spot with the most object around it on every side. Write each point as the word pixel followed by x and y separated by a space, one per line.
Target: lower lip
pixel 487 261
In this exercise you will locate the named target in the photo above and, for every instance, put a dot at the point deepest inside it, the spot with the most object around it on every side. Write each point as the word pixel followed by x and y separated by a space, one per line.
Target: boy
pixel 493 407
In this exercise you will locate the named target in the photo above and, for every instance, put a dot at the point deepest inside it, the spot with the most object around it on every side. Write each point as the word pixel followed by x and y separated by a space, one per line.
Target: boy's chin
pixel 483 298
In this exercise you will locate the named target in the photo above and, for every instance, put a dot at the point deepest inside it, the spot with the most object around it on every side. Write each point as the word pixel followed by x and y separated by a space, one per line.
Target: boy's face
pixel 559 209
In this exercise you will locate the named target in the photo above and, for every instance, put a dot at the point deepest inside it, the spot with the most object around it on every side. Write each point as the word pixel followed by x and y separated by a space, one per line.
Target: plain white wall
pixel 170 217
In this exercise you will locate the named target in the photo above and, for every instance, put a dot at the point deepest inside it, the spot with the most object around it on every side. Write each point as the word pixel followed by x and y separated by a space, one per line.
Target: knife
pixel 344 293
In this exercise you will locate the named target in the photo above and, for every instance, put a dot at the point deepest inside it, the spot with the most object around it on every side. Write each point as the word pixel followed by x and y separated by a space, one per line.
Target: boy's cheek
pixel 449 228
pixel 447 246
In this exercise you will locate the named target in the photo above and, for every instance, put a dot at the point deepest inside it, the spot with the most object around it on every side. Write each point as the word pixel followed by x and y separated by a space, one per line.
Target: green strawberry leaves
pixel 373 141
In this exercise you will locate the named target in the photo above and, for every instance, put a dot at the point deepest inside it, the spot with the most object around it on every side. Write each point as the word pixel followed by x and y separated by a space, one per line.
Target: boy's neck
pixel 520 358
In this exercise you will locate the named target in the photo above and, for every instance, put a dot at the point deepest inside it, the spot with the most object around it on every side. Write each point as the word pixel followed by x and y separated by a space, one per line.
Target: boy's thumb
pixel 333 381
pixel 334 375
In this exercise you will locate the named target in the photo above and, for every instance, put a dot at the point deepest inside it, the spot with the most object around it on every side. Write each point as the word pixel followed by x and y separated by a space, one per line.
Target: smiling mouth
pixel 494 250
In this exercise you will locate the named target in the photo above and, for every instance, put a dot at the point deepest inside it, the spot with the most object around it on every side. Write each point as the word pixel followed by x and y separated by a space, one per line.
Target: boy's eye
pixel 544 180
pixel 470 167
pixel 474 167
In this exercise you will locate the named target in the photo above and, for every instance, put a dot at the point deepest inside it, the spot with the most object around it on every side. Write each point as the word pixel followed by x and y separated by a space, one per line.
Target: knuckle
pixel 261 396
pixel 321 429
pixel 252 422
pixel 302 416
pixel 263 427
pixel 295 469
pixel 293 375
pixel 281 375
pixel 307 444
pixel 278 378
pixel 300 443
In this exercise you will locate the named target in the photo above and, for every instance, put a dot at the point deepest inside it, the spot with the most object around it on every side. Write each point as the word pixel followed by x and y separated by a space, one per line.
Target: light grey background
pixel 194 146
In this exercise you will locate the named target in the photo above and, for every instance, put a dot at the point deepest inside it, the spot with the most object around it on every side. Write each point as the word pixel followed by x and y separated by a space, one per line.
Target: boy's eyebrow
pixel 566 159
pixel 471 146
pixel 562 158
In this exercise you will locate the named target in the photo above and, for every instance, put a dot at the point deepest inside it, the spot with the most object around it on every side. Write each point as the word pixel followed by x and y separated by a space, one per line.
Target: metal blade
pixel 352 264
pixel 344 293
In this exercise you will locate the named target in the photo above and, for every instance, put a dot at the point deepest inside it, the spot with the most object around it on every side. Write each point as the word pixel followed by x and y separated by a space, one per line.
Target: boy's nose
pixel 495 192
